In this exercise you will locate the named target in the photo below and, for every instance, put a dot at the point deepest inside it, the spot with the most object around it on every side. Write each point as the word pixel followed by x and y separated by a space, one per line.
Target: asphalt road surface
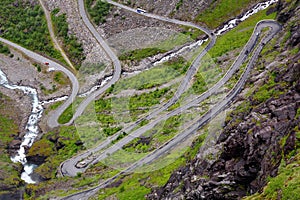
pixel 275 28
pixel 68 167
pixel 194 66
pixel 181 136
pixel 52 120
pixel 109 52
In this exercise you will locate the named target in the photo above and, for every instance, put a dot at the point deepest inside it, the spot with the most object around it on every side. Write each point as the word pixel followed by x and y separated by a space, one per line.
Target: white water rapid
pixel 31 128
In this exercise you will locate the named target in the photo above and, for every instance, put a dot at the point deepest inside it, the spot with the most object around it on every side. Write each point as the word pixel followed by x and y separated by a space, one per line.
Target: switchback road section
pixel 52 120
pixel 188 132
pixel 68 167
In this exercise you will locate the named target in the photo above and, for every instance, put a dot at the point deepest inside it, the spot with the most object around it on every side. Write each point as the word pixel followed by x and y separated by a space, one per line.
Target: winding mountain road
pixel 52 120
pixel 109 52
pixel 194 66
pixel 275 28
pixel 68 167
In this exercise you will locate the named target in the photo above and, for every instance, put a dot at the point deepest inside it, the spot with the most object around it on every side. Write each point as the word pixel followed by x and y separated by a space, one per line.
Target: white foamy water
pixel 234 22
pixel 31 128
pixel 63 98
pixel 96 87
pixel 133 73
pixel 180 51
pixel 230 25
pixel 28 169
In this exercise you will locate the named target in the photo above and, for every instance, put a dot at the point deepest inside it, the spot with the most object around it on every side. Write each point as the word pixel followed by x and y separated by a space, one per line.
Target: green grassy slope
pixel 222 10
pixel 24 23
pixel 9 172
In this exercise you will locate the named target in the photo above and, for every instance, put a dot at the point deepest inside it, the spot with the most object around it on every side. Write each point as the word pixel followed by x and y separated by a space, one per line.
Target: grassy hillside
pixel 9 172
pixel 62 143
pixel 71 45
pixel 222 10
pixel 24 22
pixel 97 10
pixel 286 185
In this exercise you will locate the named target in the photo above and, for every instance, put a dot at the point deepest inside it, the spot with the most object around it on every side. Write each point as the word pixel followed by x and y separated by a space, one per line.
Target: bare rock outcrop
pixel 253 141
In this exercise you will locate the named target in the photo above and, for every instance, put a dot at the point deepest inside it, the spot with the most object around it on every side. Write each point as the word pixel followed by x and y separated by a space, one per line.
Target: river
pixel 221 30
pixel 31 129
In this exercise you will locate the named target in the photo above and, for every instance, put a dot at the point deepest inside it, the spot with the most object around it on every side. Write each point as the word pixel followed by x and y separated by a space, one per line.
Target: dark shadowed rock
pixel 15 144
pixel 78 143
pixel 252 141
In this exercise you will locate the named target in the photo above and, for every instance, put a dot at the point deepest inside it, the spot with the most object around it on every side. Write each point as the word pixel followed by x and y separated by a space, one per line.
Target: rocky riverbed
pixel 21 71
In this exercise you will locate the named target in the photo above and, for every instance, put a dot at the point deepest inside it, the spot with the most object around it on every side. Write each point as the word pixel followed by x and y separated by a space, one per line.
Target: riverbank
pixel 27 83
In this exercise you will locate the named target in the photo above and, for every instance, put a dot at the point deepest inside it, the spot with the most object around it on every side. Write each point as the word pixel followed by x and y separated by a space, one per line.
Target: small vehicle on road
pixel 81 164
pixel 141 11
pixel 46 63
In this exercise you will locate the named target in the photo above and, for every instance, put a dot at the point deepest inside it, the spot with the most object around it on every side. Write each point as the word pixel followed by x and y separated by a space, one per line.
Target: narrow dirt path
pixel 52 35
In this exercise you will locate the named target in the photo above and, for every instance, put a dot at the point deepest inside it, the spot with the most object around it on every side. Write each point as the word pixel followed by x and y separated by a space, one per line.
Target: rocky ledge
pixel 255 140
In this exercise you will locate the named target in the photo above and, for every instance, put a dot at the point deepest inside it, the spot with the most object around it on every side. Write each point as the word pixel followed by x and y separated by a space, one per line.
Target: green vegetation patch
pixel 67 115
pixel 24 23
pixel 122 159
pixel 4 49
pixel 138 185
pixel 9 172
pixel 60 78
pixel 266 91
pixel 155 137
pixel 139 54
pixel 114 110
pixel 154 77
pixel 179 4
pixel 103 109
pixel 140 104
pixel 286 185
pixel 71 45
pixel 97 10
pixel 222 10
pixel 55 147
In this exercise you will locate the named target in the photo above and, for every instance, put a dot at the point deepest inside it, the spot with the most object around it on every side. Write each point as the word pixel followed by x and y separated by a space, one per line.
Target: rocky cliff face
pixel 256 137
